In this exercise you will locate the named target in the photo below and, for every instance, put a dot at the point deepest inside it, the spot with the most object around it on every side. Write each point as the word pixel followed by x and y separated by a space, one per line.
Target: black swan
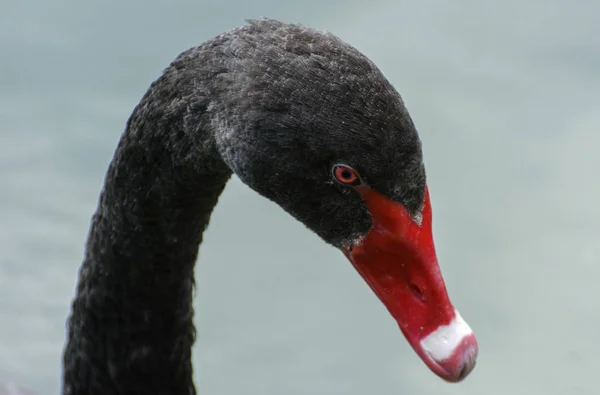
pixel 305 120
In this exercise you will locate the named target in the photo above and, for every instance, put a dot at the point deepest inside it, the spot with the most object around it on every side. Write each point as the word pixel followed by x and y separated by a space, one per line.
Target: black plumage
pixel 274 103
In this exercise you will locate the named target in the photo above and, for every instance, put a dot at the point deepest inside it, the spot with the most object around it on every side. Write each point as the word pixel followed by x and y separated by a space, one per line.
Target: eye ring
pixel 345 175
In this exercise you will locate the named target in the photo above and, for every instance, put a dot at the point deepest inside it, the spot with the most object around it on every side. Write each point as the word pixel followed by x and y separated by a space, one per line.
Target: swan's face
pixel 290 109
pixel 311 124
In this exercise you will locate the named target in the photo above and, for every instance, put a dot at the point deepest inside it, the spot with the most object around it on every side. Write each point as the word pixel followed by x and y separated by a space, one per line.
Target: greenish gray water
pixel 506 98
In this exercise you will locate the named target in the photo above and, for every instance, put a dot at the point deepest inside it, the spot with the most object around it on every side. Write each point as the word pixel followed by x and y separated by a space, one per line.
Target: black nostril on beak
pixel 417 291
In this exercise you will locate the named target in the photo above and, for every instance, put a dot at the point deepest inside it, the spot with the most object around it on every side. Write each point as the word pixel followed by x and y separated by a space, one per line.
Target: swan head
pixel 310 123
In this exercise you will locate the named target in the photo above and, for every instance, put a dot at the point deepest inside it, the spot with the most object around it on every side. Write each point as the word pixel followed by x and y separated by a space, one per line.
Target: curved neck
pixel 131 330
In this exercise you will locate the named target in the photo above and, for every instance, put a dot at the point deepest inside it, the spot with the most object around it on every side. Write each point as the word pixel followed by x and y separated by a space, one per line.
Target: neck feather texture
pixel 131 326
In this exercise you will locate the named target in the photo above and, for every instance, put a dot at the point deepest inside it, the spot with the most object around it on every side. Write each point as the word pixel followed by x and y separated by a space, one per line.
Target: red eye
pixel 346 175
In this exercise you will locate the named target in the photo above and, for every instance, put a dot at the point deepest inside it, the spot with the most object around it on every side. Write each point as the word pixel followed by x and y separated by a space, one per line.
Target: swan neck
pixel 131 329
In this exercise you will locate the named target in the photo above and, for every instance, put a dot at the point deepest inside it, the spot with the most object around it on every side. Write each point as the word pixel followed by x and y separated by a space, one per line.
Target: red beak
pixel 397 259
